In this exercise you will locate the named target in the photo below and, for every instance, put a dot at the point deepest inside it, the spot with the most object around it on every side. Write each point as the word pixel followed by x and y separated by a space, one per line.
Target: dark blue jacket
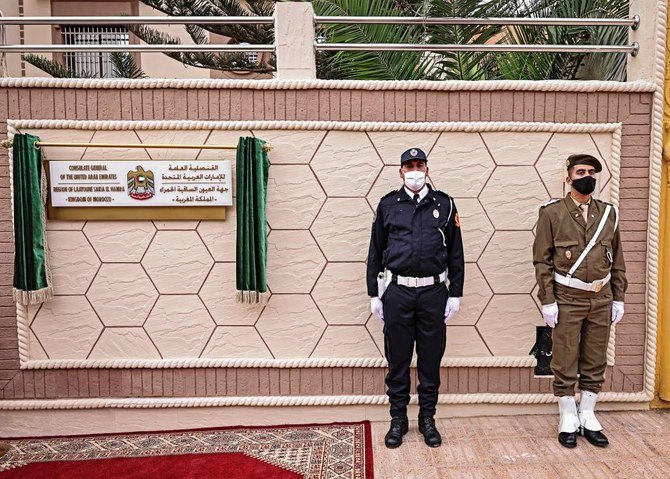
pixel 414 240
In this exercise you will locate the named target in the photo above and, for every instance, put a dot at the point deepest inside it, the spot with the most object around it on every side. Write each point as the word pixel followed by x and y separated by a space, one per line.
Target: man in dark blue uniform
pixel 414 247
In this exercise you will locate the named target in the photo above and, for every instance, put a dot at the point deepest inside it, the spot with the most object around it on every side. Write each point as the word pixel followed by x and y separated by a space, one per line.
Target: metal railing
pixel 135 20
pixel 631 23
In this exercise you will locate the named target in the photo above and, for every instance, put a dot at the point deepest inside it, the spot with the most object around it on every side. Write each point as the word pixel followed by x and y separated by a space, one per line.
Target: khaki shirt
pixel 562 235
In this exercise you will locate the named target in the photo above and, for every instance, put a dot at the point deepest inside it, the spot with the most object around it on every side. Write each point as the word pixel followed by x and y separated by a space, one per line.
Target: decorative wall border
pixel 285 401
pixel 13 126
pixel 368 85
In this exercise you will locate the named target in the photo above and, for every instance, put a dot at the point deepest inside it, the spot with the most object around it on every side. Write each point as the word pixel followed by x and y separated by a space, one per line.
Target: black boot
pixel 399 427
pixel 567 439
pixel 596 438
pixel 431 436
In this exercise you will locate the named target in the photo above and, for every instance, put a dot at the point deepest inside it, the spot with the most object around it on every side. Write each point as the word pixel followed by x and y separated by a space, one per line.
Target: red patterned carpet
pixel 319 451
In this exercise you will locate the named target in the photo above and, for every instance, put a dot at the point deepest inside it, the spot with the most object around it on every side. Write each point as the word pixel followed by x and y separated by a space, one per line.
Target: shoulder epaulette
pixel 550 202
pixel 390 193
pixel 441 193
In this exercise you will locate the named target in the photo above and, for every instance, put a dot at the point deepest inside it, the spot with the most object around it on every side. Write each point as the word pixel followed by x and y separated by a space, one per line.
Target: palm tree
pixel 544 66
pixel 395 65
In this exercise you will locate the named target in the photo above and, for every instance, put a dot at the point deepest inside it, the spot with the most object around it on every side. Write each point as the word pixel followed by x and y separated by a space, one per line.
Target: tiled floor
pixel 525 447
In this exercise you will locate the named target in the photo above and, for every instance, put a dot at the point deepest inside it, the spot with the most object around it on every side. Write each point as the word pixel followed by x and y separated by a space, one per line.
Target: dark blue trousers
pixel 414 315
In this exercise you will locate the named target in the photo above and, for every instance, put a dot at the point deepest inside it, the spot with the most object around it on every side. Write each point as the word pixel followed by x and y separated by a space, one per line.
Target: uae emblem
pixel 141 184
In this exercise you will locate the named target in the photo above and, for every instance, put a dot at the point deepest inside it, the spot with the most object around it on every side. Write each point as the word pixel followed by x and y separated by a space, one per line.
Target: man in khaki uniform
pixel 581 274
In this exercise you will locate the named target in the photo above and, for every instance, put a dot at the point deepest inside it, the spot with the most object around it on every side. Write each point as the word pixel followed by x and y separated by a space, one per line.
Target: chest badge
pixel 568 254
pixel 436 213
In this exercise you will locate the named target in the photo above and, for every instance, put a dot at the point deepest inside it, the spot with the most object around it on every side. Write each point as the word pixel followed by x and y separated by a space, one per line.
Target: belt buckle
pixel 598 285
pixel 412 281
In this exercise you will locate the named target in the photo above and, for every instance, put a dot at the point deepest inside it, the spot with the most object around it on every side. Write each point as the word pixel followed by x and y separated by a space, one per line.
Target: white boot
pixel 587 415
pixel 590 427
pixel 569 419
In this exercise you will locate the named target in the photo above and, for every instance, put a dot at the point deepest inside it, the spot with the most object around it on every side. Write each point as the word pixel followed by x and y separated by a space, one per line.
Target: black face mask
pixel 585 185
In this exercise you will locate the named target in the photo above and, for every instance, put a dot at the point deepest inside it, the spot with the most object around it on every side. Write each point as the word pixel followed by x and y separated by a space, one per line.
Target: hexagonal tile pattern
pixel 346 342
pixel 287 317
pixel 124 343
pixel 120 241
pixel 115 137
pixel 236 342
pixel 475 298
pixel 603 142
pixel 342 229
pixel 177 262
pixel 122 294
pixel 551 165
pixel 507 262
pixel 391 145
pixel 220 237
pixel 73 262
pixel 176 137
pixel 508 150
pixel 35 349
pixel 476 228
pixel 60 225
pixel 376 329
pixel 464 341
pixel 460 164
pixel 294 261
pixel 388 180
pixel 346 163
pixel 291 146
pixel 179 326
pixel 508 325
pixel 513 196
pixel 340 294
pixel 218 294
pixel 67 327
pixel 294 197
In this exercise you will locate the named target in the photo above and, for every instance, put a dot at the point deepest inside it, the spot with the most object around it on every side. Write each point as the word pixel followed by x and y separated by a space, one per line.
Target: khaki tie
pixel 585 211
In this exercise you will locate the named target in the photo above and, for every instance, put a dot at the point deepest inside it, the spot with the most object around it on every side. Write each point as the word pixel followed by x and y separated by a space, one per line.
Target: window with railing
pixel 92 64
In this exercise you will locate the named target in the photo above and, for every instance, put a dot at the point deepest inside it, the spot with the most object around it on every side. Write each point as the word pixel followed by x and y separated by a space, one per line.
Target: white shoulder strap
pixel 591 243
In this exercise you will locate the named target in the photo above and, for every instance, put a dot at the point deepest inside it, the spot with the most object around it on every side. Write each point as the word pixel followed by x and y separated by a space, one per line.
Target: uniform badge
pixel 457 220
pixel 568 254
pixel 436 214
pixel 413 152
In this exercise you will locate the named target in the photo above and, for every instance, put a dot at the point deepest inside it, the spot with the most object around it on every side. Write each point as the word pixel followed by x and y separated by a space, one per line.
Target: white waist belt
pixel 414 282
pixel 594 286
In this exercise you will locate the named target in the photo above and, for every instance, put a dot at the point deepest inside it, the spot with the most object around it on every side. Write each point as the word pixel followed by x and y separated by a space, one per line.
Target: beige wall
pixel 143 290
pixel 308 294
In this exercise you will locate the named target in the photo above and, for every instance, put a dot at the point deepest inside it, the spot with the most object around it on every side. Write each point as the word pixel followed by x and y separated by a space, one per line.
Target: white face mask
pixel 414 180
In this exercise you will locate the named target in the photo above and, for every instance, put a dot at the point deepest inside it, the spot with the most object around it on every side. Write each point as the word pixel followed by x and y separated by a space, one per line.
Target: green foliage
pixel 240 33
pixel 370 65
pixel 125 66
pixel 544 66
pixel 395 65
pixel 52 67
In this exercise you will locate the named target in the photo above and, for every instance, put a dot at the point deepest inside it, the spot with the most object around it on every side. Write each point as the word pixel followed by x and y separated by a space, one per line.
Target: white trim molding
pixel 366 85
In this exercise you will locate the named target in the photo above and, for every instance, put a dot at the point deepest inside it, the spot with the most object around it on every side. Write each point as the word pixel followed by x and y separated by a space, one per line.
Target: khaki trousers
pixel 579 352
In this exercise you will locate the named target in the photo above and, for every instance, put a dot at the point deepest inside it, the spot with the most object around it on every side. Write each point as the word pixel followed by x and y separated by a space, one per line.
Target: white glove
pixel 617 311
pixel 451 309
pixel 550 314
pixel 377 308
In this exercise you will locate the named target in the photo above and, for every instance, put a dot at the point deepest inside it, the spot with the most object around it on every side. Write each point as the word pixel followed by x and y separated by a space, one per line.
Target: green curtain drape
pixel 252 166
pixel 32 276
